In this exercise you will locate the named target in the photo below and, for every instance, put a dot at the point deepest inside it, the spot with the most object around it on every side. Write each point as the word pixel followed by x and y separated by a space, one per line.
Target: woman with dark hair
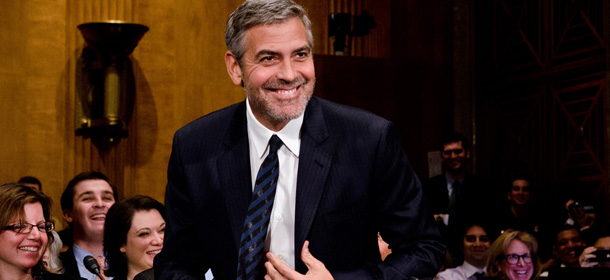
pixel 26 227
pixel 513 256
pixel 133 236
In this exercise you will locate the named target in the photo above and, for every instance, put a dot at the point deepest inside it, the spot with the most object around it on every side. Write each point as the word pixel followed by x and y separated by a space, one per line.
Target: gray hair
pixel 255 12
pixel 54 263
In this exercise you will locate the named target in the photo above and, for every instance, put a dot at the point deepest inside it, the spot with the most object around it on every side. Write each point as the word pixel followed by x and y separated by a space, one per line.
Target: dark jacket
pixel 354 180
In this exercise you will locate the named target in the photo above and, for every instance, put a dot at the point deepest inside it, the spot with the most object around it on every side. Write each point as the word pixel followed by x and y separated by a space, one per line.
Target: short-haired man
pixel 519 212
pixel 457 196
pixel 84 203
pixel 475 247
pixel 330 179
pixel 568 245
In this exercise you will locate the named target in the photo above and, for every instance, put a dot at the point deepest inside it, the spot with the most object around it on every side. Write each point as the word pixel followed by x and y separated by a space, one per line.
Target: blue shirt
pixel 79 255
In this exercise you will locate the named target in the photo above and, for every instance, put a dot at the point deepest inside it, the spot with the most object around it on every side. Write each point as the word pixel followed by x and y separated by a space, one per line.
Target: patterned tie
pixel 259 212
pixel 101 260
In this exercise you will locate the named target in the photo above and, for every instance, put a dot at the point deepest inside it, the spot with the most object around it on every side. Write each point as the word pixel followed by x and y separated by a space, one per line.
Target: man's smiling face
pixel 92 199
pixel 277 71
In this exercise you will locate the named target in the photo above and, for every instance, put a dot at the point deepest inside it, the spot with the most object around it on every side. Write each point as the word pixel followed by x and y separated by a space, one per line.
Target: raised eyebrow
pixel 142 229
pixel 83 194
pixel 149 229
pixel 266 52
pixel 303 49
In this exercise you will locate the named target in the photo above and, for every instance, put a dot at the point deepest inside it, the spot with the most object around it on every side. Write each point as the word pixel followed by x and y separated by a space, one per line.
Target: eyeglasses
pixel 27 227
pixel 514 258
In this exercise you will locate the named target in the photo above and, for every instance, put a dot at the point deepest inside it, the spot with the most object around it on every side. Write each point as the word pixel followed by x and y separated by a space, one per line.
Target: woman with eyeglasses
pixel 133 236
pixel 513 256
pixel 26 231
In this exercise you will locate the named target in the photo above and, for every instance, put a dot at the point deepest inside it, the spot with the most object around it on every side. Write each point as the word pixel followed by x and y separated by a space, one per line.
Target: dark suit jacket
pixel 354 180
pixel 69 263
pixel 475 193
pixel 475 204
pixel 45 275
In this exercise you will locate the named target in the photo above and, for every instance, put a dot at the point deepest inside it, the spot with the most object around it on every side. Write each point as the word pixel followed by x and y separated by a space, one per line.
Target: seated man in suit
pixel 84 203
pixel 475 247
pixel 285 184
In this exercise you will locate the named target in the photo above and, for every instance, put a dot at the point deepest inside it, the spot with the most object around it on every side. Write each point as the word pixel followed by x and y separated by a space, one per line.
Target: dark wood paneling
pixel 543 91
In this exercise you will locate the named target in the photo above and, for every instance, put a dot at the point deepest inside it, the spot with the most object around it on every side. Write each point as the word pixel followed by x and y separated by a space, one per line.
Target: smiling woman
pixel 513 256
pixel 25 232
pixel 133 236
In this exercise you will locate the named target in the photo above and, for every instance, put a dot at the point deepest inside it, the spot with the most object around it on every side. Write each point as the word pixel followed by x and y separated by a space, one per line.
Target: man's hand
pixel 585 258
pixel 277 269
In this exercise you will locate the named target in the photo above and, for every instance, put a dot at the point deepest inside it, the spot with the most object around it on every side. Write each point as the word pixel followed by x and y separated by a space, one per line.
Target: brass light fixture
pixel 105 86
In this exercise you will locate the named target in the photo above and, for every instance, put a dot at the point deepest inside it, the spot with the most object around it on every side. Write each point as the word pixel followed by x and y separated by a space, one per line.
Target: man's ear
pixel 68 216
pixel 122 249
pixel 233 68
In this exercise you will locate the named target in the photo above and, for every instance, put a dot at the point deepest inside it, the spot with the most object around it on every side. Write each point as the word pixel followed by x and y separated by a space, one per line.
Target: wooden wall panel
pixel 32 61
pixel 180 76
pixel 377 43
pixel 543 85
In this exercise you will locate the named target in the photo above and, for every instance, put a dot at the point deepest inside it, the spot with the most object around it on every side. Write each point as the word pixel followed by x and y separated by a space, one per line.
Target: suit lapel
pixel 314 165
pixel 234 172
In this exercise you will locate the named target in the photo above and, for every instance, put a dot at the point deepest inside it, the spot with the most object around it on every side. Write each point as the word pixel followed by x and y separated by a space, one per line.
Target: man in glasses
pixel 475 246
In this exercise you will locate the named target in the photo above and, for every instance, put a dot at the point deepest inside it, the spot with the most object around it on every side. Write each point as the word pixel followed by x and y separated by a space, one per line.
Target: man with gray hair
pixel 286 185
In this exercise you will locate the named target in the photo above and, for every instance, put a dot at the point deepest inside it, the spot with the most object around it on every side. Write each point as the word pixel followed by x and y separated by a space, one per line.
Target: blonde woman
pixel 513 256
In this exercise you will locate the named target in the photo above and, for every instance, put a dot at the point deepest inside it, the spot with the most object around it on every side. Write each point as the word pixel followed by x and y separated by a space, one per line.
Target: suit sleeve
pixel 403 216
pixel 180 258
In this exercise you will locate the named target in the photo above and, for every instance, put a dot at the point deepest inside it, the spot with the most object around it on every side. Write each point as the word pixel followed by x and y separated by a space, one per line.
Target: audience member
pixel 568 245
pixel 475 248
pixel 457 195
pixel 50 259
pixel 519 213
pixel 514 256
pixel 133 236
pixel 30 181
pixel 583 216
pixel 589 257
pixel 25 232
pixel 85 202
pixel 353 179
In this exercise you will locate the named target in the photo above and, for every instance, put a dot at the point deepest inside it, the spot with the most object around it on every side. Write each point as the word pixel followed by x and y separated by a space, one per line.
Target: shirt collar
pixel 471 269
pixel 260 135
pixel 80 253
pixel 451 179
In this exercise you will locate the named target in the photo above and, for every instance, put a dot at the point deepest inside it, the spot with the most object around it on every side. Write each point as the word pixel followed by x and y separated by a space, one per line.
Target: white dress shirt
pixel 280 236
pixel 461 272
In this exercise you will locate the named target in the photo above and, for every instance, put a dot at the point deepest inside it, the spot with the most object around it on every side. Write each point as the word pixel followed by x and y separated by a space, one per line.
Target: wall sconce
pixel 340 26
pixel 105 84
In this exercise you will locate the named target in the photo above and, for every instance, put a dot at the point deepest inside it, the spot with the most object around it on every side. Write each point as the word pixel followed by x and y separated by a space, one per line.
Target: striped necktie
pixel 259 212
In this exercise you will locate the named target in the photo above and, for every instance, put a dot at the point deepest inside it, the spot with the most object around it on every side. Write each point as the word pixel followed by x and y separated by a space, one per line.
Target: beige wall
pixel 180 75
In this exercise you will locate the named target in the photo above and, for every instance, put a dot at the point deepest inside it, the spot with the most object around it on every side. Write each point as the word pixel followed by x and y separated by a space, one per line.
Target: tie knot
pixel 479 275
pixel 456 184
pixel 274 144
